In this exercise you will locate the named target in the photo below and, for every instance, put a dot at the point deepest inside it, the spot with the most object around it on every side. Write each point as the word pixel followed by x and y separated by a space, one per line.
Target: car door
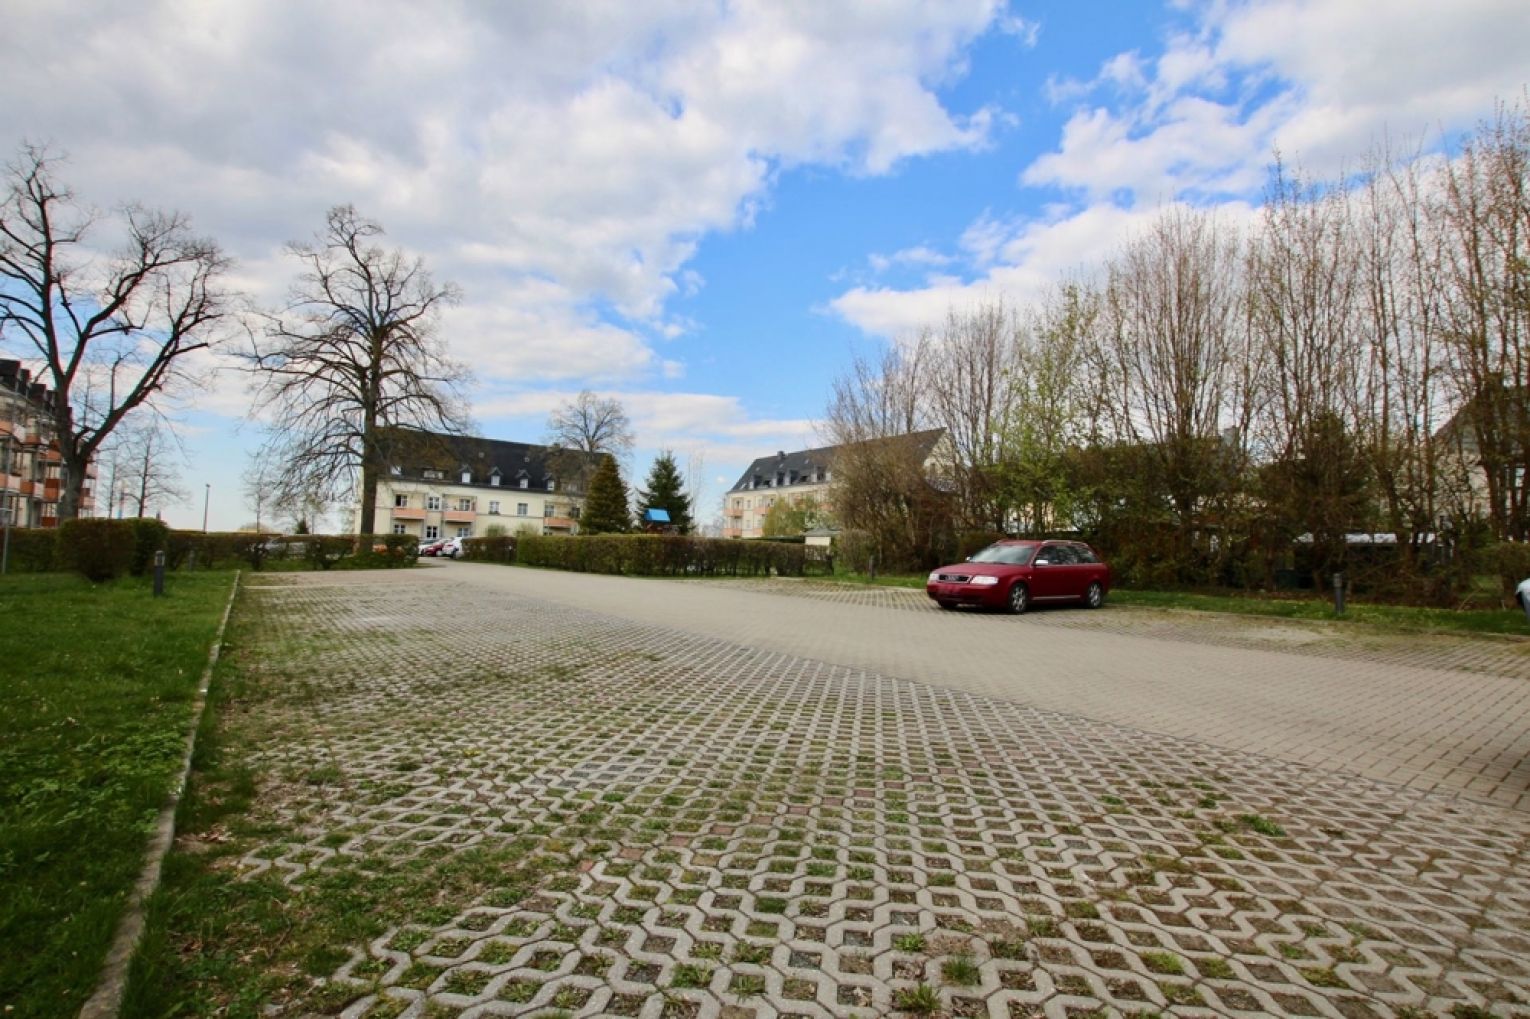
pixel 1049 572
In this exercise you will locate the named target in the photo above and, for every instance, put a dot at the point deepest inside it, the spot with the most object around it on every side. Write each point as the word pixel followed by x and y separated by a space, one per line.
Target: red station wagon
pixel 1014 574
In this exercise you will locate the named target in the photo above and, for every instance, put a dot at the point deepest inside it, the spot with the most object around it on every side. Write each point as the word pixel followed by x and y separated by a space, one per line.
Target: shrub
pixel 149 536
pixel 100 549
pixel 499 548
pixel 969 542
pixel 661 555
pixel 325 550
pixel 853 550
pixel 383 552
pixel 32 550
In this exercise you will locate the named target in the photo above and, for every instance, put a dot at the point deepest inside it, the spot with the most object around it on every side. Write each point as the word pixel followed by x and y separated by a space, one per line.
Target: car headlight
pixel 933 577
pixel 985 581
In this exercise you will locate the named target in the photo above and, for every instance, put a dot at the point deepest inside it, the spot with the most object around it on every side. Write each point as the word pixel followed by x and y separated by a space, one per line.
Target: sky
pixel 705 210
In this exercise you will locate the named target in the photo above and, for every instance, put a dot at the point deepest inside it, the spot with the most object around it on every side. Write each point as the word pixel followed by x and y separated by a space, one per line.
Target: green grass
pixel 96 691
pixel 1403 618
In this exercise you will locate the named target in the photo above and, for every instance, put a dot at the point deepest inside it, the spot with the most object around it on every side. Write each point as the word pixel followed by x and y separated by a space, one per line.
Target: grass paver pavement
pixel 490 805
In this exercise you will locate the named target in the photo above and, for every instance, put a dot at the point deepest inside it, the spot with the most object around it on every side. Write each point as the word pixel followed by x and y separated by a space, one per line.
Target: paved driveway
pixel 1405 710
pixel 790 800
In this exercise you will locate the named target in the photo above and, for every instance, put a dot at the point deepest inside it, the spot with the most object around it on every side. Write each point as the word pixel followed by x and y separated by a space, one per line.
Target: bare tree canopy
pixel 591 424
pixel 351 362
pixel 586 424
pixel 146 461
pixel 109 332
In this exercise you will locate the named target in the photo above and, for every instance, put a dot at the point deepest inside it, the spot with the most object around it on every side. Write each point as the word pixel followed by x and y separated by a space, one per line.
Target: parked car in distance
pixel 1522 597
pixel 451 548
pixel 1014 575
pixel 432 547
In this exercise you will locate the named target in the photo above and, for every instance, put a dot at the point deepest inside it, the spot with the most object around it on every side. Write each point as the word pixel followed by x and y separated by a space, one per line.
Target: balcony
pixel 558 523
pixel 455 516
pixel 408 513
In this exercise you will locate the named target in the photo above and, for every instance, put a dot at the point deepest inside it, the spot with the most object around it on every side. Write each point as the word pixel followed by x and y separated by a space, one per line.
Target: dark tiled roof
pixel 803 467
pixel 415 452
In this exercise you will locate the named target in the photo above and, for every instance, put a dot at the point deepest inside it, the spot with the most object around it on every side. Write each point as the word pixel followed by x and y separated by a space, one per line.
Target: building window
pixel 400 501
pixel 400 529
pixel 432 475
pixel 465 531
pixel 494 478
pixel 395 470
pixel 467 477
pixel 465 505
pixel 494 506
pixel 432 532
pixel 522 509
pixel 432 502
pixel 525 482
pixel 547 509
pixel 552 486
pixel 573 511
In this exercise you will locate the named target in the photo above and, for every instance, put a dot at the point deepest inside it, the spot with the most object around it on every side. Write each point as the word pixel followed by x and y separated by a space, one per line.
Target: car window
pixel 1059 555
pixel 1012 555
pixel 1085 554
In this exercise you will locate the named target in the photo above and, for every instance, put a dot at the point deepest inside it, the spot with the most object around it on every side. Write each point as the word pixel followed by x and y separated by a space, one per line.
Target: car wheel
pixel 947 605
pixel 1019 599
pixel 1095 596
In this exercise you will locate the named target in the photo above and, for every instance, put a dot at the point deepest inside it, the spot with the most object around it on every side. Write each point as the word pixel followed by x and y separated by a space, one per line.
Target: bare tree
pixel 587 424
pixel 353 364
pixel 148 457
pixel 1485 217
pixel 110 332
pixel 1165 356
pixel 971 393
pixel 880 481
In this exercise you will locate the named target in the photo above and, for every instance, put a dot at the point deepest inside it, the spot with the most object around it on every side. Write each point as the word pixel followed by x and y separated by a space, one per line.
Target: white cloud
pixel 1320 80
pixel 561 162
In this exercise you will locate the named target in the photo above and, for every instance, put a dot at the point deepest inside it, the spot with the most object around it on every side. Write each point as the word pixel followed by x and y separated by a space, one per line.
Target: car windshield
pixel 1014 555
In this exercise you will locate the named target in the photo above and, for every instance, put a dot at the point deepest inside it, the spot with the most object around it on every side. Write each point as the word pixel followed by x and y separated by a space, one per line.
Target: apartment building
pixel 31 468
pixel 444 486
pixel 807 474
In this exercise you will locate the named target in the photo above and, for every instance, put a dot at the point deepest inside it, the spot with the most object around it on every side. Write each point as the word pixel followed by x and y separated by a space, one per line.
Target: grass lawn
pixel 96 686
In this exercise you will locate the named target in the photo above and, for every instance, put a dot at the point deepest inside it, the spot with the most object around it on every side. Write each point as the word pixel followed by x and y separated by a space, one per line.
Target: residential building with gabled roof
pixel 797 477
pixel 447 486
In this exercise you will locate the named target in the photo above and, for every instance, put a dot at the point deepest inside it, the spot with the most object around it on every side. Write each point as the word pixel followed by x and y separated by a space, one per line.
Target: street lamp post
pixel 206 495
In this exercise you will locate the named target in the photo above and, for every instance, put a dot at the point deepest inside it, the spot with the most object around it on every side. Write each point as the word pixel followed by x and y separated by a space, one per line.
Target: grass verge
pixel 219 943
pixel 1400 618
pixel 95 691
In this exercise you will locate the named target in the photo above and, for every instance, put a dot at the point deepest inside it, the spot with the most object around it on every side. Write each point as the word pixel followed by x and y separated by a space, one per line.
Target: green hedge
pixel 149 536
pixel 98 548
pixel 33 550
pixel 661 555
pixel 498 549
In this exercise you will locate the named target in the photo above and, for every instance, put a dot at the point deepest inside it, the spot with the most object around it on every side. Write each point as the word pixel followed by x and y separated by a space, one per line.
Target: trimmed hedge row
pixel 661 555
pixel 101 549
pixel 498 549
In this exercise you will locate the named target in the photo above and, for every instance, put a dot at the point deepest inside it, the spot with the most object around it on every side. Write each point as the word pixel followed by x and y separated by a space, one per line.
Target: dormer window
pixel 432 475
pixel 525 482
pixel 494 477
pixel 551 485
pixel 395 470
pixel 467 477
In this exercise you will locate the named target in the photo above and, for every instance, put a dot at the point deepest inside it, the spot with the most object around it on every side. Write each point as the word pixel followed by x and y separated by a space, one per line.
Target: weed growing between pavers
pixel 756 832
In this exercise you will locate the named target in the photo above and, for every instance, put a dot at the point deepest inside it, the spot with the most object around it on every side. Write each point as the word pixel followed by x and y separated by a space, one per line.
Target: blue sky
pixel 704 209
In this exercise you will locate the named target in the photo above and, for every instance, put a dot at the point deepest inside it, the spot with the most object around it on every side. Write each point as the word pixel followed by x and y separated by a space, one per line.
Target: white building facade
pixel 458 486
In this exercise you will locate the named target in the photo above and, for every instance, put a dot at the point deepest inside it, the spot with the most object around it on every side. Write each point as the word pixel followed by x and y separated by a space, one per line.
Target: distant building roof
pixel 811 466
pixel 656 516
pixel 412 453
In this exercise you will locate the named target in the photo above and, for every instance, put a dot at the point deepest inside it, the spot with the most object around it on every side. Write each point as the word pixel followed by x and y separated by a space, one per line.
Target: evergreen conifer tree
pixel 666 492
pixel 605 507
